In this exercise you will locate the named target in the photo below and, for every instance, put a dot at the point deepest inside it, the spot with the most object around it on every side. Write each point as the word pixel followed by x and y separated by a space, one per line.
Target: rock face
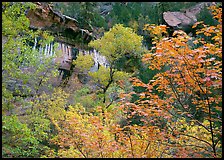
pixel 97 57
pixel 182 20
pixel 19 89
pixel 65 31
pixel 64 28
pixel 67 56
pixel 178 19
pixel 99 60
pixel 106 7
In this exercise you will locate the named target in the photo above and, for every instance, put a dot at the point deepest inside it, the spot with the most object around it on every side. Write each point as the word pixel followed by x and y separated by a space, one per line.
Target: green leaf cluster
pixel 101 76
pixel 18 139
pixel 21 63
pixel 117 42
pixel 83 62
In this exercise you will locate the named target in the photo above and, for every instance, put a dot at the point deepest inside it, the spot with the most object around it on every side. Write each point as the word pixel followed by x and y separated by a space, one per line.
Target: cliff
pixel 65 29
pixel 185 19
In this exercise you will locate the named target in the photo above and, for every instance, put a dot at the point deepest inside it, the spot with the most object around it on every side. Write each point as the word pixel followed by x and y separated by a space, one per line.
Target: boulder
pixel 178 19
pixel 185 19
pixel 19 89
pixel 84 78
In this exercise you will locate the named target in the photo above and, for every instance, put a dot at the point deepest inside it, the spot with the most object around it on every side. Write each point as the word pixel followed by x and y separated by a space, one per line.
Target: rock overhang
pixel 64 28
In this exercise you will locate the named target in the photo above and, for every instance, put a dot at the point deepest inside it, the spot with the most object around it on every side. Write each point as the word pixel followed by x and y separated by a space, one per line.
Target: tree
pixel 119 41
pixel 115 44
pixel 84 135
pixel 24 71
pixel 23 68
pixel 176 111
pixel 18 139
pixel 189 83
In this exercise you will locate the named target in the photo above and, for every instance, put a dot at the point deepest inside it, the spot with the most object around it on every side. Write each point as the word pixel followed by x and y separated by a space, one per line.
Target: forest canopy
pixel 155 91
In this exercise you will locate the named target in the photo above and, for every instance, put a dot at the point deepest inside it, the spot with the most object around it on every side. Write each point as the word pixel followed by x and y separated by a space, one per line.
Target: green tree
pixel 83 62
pixel 117 43
pixel 18 139
pixel 23 68
pixel 24 71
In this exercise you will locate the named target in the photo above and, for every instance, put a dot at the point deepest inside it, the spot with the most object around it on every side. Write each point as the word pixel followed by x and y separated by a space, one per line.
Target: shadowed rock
pixel 64 28
pixel 182 20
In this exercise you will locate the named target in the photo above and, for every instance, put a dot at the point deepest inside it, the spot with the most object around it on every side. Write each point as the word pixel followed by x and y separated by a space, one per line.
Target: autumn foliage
pixel 177 114
pixel 180 109
pixel 189 84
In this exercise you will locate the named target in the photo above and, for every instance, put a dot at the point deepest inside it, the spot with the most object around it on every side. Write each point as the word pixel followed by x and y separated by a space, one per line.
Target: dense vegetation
pixel 163 100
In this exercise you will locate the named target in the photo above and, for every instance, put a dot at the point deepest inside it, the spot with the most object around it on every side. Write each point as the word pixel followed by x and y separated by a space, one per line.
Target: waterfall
pixel 40 50
pixel 35 43
pixel 68 55
pixel 45 51
pixel 95 67
pixel 51 48
pixel 98 58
